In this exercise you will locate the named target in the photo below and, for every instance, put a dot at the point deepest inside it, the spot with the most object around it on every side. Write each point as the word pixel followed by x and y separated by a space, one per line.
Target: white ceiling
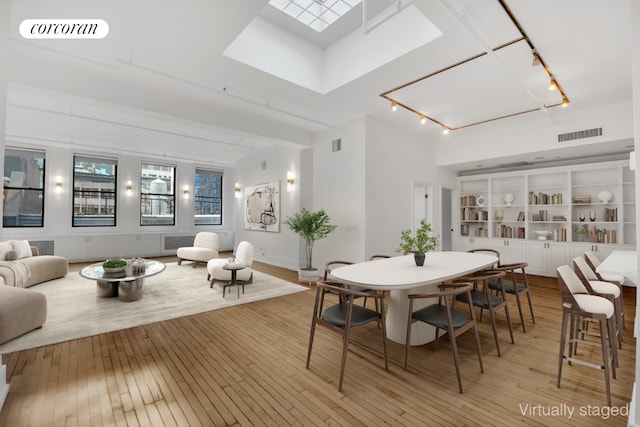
pixel 175 93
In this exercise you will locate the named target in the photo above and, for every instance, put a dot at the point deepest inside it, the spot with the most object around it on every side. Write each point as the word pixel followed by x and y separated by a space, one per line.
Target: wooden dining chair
pixel 515 283
pixel 443 316
pixel 482 297
pixel 331 265
pixel 343 316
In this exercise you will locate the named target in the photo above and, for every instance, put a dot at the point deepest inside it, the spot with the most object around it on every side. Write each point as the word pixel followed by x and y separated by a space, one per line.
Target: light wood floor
pixel 245 365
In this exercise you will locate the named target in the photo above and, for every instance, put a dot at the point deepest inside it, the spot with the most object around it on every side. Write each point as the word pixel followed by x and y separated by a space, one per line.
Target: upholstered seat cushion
pixel 594 304
pixel 21 311
pixel 197 254
pixel 606 288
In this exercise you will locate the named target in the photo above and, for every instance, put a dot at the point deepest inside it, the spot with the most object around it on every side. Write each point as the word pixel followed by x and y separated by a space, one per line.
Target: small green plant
pixel 421 243
pixel 114 263
pixel 582 230
pixel 311 226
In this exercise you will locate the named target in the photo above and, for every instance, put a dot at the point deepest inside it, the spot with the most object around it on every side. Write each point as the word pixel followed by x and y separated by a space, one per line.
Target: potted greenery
pixel 311 226
pixel 582 231
pixel 419 244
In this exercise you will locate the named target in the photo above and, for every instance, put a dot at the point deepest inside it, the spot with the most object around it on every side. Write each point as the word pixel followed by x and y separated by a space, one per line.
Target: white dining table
pixel 621 263
pixel 402 277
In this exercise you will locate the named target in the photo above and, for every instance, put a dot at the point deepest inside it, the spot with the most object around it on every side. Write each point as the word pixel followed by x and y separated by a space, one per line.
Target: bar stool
pixel 577 304
pixel 482 297
pixel 603 289
pixel 593 261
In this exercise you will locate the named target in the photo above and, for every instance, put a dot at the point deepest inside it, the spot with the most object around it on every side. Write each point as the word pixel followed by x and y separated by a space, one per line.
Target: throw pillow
pixel 4 248
pixel 12 255
pixel 22 248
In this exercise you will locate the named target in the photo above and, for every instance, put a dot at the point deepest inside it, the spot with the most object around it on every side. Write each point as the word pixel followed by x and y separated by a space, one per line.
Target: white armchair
pixel 205 247
pixel 244 255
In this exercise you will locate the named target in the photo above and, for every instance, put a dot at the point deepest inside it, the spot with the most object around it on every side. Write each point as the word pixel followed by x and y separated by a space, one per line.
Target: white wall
pixel 396 161
pixel 280 248
pixel 339 189
pixel 533 133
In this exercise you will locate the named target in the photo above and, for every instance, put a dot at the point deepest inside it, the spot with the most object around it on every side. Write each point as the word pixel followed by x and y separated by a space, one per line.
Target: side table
pixel 233 268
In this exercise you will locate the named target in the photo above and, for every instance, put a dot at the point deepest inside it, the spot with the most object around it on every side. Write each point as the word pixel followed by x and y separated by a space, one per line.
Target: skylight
pixel 315 14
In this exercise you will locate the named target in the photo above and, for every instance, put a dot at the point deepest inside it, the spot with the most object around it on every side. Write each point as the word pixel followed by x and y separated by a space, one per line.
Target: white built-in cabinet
pixel 536 215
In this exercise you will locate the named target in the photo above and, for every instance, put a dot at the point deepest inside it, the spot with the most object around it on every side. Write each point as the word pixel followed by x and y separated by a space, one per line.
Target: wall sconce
pixel 58 184
pixel 238 190
pixel 290 181
pixel 185 192
pixel 129 188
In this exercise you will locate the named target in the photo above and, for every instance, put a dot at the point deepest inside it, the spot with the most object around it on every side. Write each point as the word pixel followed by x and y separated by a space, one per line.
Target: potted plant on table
pixel 311 226
pixel 419 244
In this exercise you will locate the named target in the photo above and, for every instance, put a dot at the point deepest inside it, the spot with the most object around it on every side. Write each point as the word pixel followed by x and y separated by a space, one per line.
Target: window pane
pixel 157 194
pixel 23 195
pixel 208 197
pixel 94 192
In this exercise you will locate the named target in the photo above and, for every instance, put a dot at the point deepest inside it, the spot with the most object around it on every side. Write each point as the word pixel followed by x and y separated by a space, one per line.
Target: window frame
pixel 25 153
pixel 89 220
pixel 198 198
pixel 143 195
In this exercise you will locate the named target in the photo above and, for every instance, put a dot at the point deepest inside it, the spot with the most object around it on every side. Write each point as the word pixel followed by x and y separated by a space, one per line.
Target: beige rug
pixel 74 310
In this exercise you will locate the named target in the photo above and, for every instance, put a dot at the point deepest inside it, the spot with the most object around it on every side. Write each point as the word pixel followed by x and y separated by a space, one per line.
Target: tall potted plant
pixel 419 244
pixel 311 226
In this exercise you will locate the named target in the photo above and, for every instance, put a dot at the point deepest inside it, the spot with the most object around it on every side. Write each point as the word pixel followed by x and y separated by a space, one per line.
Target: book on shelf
pixel 545 199
pixel 582 198
pixel 521 216
pixel 611 214
pixel 468 201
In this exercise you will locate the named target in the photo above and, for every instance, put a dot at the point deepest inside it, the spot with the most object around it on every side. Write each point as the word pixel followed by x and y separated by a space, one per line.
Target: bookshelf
pixel 545 208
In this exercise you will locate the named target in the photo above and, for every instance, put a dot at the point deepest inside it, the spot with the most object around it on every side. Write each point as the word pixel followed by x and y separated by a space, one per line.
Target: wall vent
pixel 336 145
pixel 45 247
pixel 175 242
pixel 580 134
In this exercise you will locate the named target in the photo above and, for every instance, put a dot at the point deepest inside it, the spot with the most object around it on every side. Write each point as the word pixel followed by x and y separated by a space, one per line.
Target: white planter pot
pixel 308 275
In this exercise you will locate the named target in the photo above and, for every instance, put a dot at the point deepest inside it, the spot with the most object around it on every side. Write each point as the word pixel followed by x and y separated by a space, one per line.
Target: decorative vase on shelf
pixel 605 196
pixel 508 198
pixel 481 201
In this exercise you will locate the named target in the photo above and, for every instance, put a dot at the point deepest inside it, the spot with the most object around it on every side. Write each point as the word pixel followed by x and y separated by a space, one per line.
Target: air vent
pixel 580 134
pixel 175 242
pixel 45 247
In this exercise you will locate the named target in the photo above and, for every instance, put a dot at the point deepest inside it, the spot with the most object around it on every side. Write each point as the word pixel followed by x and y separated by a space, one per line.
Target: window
pixel 94 191
pixel 23 194
pixel 207 197
pixel 157 194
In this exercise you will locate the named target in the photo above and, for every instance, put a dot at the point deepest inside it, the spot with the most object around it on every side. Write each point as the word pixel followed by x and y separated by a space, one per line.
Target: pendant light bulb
pixel 423 119
pixel 552 84
pixel 394 105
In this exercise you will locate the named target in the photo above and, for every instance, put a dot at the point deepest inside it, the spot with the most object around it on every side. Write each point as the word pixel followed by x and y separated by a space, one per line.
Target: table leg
pixel 106 289
pixel 130 290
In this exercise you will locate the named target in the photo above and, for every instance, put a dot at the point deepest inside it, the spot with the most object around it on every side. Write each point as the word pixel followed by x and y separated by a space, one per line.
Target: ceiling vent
pixel 580 134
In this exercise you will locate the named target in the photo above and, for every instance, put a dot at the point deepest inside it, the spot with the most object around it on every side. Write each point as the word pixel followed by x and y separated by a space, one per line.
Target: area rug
pixel 74 311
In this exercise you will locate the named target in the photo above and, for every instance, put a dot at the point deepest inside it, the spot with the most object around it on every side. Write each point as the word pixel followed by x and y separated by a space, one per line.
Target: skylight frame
pixel 315 14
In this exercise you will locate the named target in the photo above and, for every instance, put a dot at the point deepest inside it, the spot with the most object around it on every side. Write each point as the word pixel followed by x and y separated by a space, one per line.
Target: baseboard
pixel 4 387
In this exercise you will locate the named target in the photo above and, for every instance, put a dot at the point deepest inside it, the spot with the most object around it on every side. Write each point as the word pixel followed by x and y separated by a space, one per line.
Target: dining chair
pixel 482 297
pixel 515 287
pixel 600 288
pixel 331 265
pixel 489 252
pixel 343 316
pixel 578 304
pixel 378 256
pixel 443 316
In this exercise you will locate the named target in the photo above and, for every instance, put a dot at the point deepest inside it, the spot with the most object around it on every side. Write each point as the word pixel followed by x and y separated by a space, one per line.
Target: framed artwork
pixel 262 207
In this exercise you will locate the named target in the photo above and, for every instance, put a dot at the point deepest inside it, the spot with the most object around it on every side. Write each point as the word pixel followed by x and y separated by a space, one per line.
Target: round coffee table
pixel 127 285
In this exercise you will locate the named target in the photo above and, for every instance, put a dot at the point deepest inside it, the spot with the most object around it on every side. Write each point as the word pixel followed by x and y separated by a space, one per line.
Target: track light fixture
pixel 445 130
pixel 565 101
pixel 394 105
pixel 536 58
pixel 423 119
pixel 552 84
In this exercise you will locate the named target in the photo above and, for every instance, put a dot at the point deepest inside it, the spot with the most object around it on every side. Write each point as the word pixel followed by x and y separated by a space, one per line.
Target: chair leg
pixel 533 319
pixel 517 294
pixel 495 330
pixel 456 360
pixel 614 348
pixel 476 337
pixel 345 347
pixel 563 337
pixel 605 357
pixel 506 309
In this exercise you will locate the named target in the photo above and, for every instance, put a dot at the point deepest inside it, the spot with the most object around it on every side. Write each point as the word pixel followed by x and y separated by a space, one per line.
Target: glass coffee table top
pixel 96 272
